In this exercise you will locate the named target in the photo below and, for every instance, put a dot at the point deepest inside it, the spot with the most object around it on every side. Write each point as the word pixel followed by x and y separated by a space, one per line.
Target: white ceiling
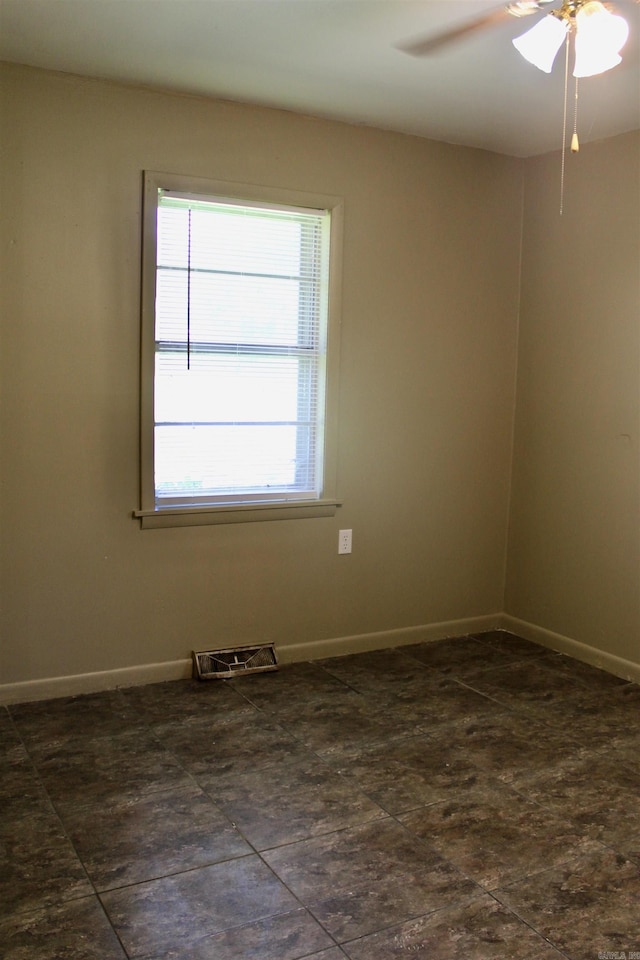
pixel 332 58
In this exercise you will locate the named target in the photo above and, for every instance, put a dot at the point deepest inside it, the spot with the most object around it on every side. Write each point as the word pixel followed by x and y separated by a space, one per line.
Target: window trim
pixel 152 514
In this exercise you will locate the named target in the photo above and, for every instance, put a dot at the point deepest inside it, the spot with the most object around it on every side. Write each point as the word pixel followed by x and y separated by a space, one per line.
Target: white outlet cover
pixel 344 541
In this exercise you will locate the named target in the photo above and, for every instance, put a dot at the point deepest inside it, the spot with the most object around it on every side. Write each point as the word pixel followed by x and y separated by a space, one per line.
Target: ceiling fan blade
pixel 422 47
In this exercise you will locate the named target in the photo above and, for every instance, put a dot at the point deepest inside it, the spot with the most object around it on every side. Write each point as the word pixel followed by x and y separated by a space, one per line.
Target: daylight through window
pixel 240 340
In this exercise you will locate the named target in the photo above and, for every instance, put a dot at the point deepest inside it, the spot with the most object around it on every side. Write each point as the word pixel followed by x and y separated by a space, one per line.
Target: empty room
pixel 320 480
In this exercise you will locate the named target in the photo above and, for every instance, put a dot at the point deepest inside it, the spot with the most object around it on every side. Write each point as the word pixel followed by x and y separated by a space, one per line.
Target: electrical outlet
pixel 344 541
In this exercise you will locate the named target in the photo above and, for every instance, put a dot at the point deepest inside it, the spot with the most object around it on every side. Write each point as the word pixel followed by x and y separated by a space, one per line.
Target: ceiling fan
pixel 599 33
pixel 593 29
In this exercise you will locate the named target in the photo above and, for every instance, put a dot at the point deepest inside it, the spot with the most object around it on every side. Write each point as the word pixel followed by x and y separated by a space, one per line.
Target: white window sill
pixel 235 513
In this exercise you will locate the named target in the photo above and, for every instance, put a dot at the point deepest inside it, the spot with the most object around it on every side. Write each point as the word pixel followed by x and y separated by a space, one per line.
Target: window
pixel 239 353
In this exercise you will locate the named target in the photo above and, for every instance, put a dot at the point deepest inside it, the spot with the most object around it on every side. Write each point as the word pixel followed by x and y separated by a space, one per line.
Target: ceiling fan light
pixel 590 63
pixel 600 35
pixel 541 44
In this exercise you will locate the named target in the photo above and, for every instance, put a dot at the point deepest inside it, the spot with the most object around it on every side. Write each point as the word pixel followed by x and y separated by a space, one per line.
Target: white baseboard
pixel 618 666
pixel 52 687
pixel 360 643
pixel 72 686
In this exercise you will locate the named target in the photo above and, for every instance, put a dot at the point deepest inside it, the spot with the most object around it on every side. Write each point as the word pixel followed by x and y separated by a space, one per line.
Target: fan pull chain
pixel 564 121
pixel 575 144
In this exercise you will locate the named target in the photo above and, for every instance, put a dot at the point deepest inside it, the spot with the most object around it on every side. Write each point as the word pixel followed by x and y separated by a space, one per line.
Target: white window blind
pixel 240 351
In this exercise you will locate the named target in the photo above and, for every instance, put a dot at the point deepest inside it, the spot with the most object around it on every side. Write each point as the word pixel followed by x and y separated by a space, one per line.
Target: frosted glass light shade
pixel 541 44
pixel 600 35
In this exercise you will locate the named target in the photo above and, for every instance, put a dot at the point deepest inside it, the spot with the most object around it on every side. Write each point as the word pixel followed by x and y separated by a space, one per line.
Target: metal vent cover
pixel 231 661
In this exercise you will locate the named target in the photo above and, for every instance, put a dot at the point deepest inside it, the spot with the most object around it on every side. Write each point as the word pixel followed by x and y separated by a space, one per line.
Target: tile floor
pixel 470 799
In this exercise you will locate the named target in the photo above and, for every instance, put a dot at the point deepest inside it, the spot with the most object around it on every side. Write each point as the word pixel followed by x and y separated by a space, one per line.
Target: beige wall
pixel 574 546
pixel 430 325
pixel 430 298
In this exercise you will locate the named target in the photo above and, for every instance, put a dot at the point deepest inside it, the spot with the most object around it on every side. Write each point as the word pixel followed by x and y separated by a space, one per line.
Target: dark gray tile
pixel 47 725
pixel 594 792
pixel 38 863
pixel 289 798
pixel 179 699
pixel 387 673
pixel 480 930
pixel 507 745
pixel 292 683
pixel 230 744
pixel 533 680
pixel 600 681
pixel 510 643
pixel 178 911
pixel 129 841
pixel 630 693
pixel 333 953
pixel 626 751
pixel 8 734
pixel 306 762
pixel 18 778
pixel 342 721
pixel 22 797
pixel 593 719
pixel 494 835
pixel 290 936
pixel 409 773
pixel 356 880
pixel 20 789
pixel 626 843
pixel 586 908
pixel 462 657
pixel 103 768
pixel 446 701
pixel 13 754
pixel 410 688
pixel 78 930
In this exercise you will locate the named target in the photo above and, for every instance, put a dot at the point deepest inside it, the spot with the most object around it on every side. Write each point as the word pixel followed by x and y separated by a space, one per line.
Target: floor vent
pixel 231 661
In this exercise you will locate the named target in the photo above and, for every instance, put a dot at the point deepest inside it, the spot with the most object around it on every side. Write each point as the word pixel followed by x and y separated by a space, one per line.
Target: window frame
pixel 152 513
